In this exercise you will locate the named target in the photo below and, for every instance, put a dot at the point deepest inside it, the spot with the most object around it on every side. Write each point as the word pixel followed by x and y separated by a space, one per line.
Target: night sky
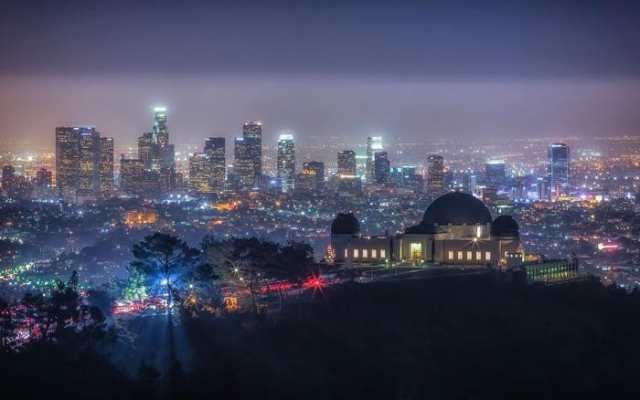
pixel 415 70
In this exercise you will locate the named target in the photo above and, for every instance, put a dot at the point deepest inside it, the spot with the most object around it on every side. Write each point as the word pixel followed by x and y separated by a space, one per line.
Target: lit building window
pixel 374 253
pixel 479 255
pixel 356 253
pixel 460 255
pixel 383 253
pixel 469 255
pixel 450 254
pixel 365 253
pixel 346 253
pixel 415 249
pixel 487 255
pixel 478 231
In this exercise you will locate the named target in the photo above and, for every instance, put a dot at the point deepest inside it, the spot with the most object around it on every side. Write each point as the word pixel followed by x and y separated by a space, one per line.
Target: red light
pixel 314 282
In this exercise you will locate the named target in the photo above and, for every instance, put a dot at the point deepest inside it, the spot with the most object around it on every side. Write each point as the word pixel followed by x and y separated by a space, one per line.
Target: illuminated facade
pixel 215 148
pixel 347 163
pixel 435 174
pixel 106 166
pixel 286 162
pixel 200 173
pixel 82 162
pixel 382 167
pixel 457 229
pixel 558 168
pixel 131 176
pixel 247 164
pixel 374 145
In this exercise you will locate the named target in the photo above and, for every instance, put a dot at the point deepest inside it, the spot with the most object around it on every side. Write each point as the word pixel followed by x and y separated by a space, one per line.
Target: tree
pixel 167 258
pixel 251 262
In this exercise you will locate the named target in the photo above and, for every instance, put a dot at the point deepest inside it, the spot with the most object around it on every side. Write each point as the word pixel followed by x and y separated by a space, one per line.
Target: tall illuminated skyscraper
pixel 347 163
pixel 316 170
pixel 160 131
pixel 106 166
pixel 67 160
pixel 79 160
pixel 154 148
pixel 131 175
pixel 381 167
pixel 252 134
pixel 435 173
pixel 243 166
pixel 200 173
pixel 495 171
pixel 214 148
pixel 374 145
pixel 558 168
pixel 286 162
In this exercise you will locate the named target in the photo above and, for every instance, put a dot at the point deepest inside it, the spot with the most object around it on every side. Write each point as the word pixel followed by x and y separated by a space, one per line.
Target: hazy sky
pixel 412 69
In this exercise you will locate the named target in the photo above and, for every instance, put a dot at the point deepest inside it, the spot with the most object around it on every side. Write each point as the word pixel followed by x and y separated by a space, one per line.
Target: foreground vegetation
pixel 473 337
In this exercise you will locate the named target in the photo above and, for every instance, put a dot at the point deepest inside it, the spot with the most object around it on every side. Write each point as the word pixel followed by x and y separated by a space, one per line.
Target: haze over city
pixel 415 70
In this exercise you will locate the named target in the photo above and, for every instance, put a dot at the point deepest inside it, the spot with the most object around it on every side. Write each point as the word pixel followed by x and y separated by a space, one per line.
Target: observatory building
pixel 456 229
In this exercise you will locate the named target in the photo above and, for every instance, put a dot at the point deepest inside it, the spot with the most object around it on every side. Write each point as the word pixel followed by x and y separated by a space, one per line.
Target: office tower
pixel 68 160
pixel 146 150
pixel 214 148
pixel 79 161
pixel 252 134
pixel 374 145
pixel 286 162
pixel 89 178
pixel 495 172
pixel 154 148
pixel 160 131
pixel 200 173
pixel 8 178
pixel 435 174
pixel 347 163
pixel 243 166
pixel 315 169
pixel 558 168
pixel 131 175
pixel 381 167
pixel 106 166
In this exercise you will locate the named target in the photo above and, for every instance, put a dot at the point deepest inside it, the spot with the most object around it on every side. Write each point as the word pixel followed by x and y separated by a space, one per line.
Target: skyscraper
pixel 160 131
pixel 68 160
pixel 200 173
pixel 131 175
pixel 286 162
pixel 347 163
pixel 106 166
pixel 381 167
pixel 316 170
pixel 435 173
pixel 243 167
pixel 374 145
pixel 89 178
pixel 495 172
pixel 79 162
pixel 558 168
pixel 247 164
pixel 214 148
pixel 154 148
pixel 252 134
